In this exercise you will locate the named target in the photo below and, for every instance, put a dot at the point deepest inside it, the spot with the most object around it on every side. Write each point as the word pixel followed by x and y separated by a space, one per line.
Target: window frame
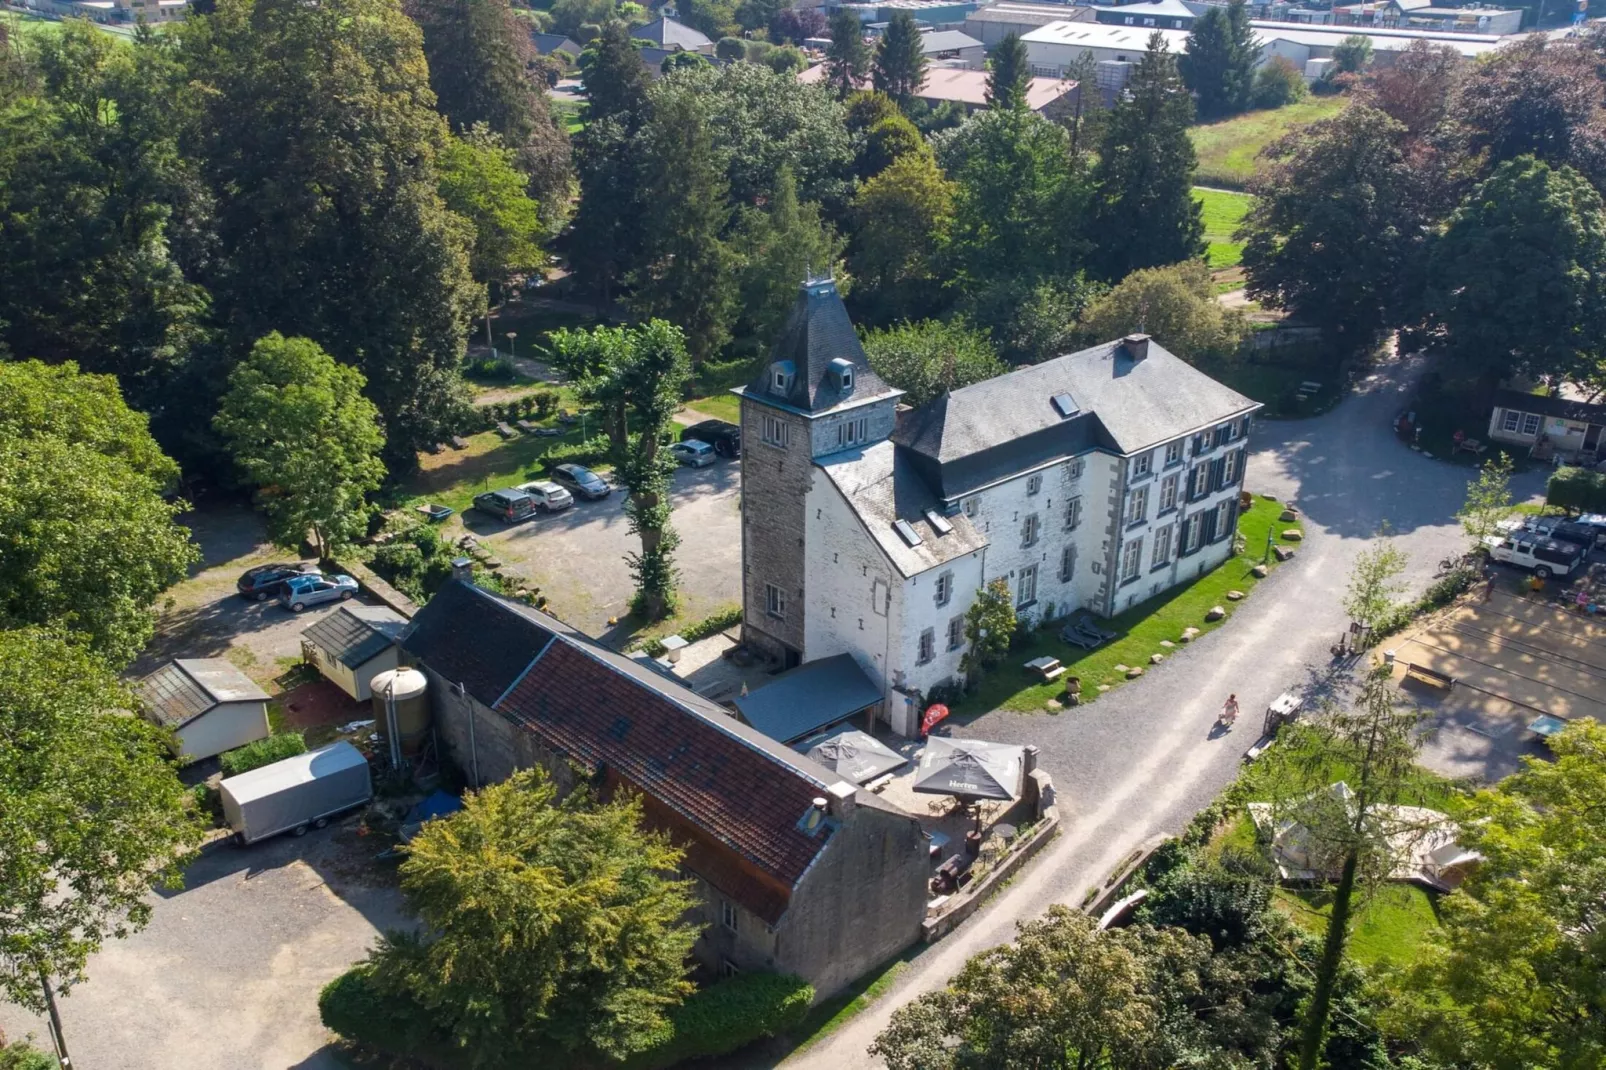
pixel 945 587
pixel 1142 465
pixel 1160 550
pixel 1538 423
pixel 1073 512
pixel 956 632
pixel 1137 506
pixel 926 651
pixel 1173 453
pixel 1031 530
pixel 1168 492
pixel 1512 422
pixel 728 917
pixel 1132 559
pixel 1034 483
pixel 1068 563
pixel 1024 579
pixel 971 506
pixel 774 601
pixel 774 431
pixel 860 432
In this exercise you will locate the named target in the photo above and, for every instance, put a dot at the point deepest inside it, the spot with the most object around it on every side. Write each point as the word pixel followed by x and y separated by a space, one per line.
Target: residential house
pixel 672 36
pixel 210 705
pixel 352 645
pixel 548 43
pixel 796 869
pixel 1090 482
pixel 1548 425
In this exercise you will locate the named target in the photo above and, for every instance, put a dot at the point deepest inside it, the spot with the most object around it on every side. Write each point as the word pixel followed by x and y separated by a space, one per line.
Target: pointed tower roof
pixel 817 333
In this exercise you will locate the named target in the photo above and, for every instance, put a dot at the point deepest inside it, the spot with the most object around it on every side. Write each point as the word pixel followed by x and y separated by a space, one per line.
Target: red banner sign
pixel 935 714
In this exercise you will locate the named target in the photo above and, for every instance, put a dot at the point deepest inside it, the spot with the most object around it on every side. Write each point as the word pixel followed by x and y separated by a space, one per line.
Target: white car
pixel 548 496
pixel 1545 556
pixel 693 453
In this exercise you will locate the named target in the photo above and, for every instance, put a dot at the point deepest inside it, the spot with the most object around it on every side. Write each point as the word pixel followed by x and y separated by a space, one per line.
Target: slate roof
pixel 946 41
pixel 818 331
pixel 882 487
pixel 1010 424
pixel 733 798
pixel 801 701
pixel 548 43
pixel 667 33
pixel 354 635
pixel 185 688
pixel 1546 405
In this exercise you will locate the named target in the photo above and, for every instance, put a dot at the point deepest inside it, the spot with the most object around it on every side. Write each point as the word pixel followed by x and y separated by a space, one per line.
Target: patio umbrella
pixel 856 755
pixel 970 769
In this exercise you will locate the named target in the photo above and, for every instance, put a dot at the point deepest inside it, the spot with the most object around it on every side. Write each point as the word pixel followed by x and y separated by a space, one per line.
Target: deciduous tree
pixel 1144 214
pixel 1536 99
pixel 608 227
pixel 551 924
pixel 930 358
pixel 1175 304
pixel 1352 55
pixel 899 68
pixel 847 60
pixel 1418 89
pixel 797 24
pixel 1008 73
pixel 990 624
pixel 1374 583
pixel 1488 500
pixel 480 182
pixel 94 816
pixel 902 217
pixel 299 428
pixel 87 541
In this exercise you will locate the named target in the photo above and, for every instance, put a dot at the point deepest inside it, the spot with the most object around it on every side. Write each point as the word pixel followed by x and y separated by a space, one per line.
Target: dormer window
pixel 782 374
pixel 841 372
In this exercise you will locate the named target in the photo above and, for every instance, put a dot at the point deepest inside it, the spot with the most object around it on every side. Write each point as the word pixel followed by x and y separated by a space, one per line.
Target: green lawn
pixel 1140 629
pixel 453 477
pixel 719 406
pixel 567 111
pixel 1227 149
pixel 1390 926
pixel 1222 213
pixel 1272 377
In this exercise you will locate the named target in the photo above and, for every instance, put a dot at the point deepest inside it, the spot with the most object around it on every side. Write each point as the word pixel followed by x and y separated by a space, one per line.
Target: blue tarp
pixel 439 804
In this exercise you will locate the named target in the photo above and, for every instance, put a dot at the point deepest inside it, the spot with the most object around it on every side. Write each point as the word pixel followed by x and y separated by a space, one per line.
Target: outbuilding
pixel 354 644
pixel 210 705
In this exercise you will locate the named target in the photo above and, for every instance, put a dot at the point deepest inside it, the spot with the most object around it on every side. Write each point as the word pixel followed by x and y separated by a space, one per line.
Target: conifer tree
pixel 1007 73
pixel 900 65
pixel 847 61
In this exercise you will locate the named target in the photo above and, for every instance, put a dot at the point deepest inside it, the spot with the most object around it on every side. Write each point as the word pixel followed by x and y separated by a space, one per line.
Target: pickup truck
pixel 1545 556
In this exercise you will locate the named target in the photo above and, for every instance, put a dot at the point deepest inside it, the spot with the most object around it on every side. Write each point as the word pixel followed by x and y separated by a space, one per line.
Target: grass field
pixel 27 27
pixel 1227 149
pixel 1390 926
pixel 719 406
pixel 1140 629
pixel 1222 213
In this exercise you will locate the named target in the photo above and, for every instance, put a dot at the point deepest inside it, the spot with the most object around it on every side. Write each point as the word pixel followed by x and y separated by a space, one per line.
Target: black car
pixel 580 481
pixel 267 581
pixel 726 438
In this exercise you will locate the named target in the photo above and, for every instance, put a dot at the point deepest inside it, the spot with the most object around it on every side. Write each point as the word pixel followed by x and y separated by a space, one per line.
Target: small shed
pixel 211 705
pixel 354 644
pixel 810 699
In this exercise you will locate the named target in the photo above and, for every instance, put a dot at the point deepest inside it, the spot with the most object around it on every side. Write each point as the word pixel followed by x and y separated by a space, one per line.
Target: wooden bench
pixel 1429 676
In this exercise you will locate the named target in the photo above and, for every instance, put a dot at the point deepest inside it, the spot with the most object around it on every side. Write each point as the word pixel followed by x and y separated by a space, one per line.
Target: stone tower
pixel 815 396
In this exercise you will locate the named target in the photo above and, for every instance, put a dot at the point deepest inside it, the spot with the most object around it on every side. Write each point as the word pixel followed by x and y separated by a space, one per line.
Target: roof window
pixel 938 522
pixel 906 533
pixel 782 374
pixel 1065 405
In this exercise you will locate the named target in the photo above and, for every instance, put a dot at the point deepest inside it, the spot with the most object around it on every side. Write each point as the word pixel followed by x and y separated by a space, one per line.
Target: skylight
pixel 1065 405
pixel 938 522
pixel 905 532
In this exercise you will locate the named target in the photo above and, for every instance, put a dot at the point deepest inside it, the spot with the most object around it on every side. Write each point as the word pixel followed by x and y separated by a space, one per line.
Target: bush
pixel 726 1016
pixel 588 452
pixel 546 402
pixel 1279 83
pixel 494 369
pixel 24 1056
pixel 263 752
pixel 731 49
pixel 354 1006
pixel 1578 490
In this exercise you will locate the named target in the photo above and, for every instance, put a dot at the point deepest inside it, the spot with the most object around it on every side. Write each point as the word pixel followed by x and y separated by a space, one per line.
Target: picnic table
pixel 1470 445
pixel 1046 668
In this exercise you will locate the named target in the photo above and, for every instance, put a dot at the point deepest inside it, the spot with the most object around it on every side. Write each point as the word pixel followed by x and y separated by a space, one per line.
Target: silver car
pixel 548 496
pixel 303 591
pixel 694 453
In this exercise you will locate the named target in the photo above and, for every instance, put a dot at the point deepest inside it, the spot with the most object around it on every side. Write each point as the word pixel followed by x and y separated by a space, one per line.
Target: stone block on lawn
pixel 1269 497
pixel 1288 515
pixel 1293 535
pixel 1214 613
pixel 1259 572
pixel 1155 659
pixel 1233 596
pixel 1189 634
pixel 1167 643
pixel 1121 668
pixel 1283 553
pixel 1104 687
pixel 1052 707
pixel 1133 674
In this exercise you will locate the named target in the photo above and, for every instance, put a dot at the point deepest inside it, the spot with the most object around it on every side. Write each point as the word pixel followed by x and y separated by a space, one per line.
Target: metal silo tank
pixel 401 709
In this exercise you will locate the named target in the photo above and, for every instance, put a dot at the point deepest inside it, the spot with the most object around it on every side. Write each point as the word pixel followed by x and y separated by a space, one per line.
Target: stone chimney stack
pixel 1029 762
pixel 842 799
pixel 1136 346
pixel 463 569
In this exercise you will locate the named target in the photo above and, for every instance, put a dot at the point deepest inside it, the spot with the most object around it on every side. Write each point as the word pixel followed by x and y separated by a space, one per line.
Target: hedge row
pixel 263 752
pixel 1441 594
pixel 702 629
pixel 713 1021
pixel 1577 490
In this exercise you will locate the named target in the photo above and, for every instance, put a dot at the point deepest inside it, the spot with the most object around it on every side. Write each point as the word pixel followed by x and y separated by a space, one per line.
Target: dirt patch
pixel 319 703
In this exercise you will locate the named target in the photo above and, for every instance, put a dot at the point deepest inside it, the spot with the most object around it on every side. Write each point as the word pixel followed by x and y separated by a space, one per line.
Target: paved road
pixel 1141 761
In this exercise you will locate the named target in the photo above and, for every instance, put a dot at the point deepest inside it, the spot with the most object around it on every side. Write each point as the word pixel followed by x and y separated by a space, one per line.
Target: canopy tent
pixel 970 769
pixel 856 755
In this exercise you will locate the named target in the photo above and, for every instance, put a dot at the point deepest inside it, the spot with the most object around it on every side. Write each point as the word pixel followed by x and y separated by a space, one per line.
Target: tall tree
pixel 299 428
pixel 481 64
pixel 1354 834
pixel 1512 975
pixel 1374 583
pixel 317 132
pixel 899 69
pixel 615 79
pixel 1418 89
pixel 902 217
pixel 1337 229
pixel 94 816
pixel 608 226
pixel 636 374
pixel 777 247
pixel 930 358
pixel 1488 501
pixel 1008 73
pixel 554 924
pixel 1219 63
pixel 847 61
pixel 1176 304
pixel 686 273
pixel 92 195
pixel 1535 98
pixel 1352 55
pixel 1520 274
pixel 87 541
pixel 1144 213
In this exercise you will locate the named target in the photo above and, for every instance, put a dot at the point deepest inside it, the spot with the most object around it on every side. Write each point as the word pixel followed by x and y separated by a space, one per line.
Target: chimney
pixel 1136 346
pixel 1029 759
pixel 463 569
pixel 842 798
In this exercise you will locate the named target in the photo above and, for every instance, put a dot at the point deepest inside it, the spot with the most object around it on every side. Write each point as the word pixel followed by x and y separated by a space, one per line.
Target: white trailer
pixel 297 793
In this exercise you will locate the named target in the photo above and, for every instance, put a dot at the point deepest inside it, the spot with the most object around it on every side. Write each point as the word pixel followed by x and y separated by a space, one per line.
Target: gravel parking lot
pixel 227 974
pixel 577 557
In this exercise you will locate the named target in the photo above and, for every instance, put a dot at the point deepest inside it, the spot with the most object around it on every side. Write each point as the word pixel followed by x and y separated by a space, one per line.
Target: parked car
pixel 299 793
pixel 693 453
pixel 509 506
pixel 548 496
pixel 1587 531
pixel 267 581
pixel 303 591
pixel 725 437
pixel 581 482
pixel 1545 556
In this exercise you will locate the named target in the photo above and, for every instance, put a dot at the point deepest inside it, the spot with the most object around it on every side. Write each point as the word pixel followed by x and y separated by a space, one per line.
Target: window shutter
pixel 1217 467
pixel 1209 527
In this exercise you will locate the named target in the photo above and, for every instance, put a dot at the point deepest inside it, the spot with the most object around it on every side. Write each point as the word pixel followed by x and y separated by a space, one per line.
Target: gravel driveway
pixel 1141 761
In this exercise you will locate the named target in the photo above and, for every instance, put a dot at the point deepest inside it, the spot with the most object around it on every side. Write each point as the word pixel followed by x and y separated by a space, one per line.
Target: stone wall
pixel 775 481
